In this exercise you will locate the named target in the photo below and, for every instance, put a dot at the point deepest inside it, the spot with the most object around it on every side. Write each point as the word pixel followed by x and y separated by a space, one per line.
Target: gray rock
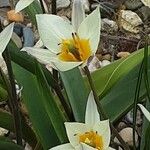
pixel 133 4
pixel 127 135
pixel 62 3
pixel 144 13
pixel 86 5
pixel 28 37
pixel 4 3
pixel 129 117
pixel 109 26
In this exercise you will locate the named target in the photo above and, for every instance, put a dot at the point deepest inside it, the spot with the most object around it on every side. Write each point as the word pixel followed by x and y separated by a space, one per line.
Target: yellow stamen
pixel 92 139
pixel 75 49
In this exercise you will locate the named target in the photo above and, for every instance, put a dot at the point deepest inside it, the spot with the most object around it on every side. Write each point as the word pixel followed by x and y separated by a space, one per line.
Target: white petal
pixel 46 57
pixel 145 111
pixel 90 29
pixel 52 30
pixel 65 66
pixel 73 130
pixel 43 55
pixel 103 130
pixel 78 13
pixel 146 2
pixel 92 115
pixel 109 148
pixel 5 37
pixel 87 147
pixel 63 147
pixel 22 4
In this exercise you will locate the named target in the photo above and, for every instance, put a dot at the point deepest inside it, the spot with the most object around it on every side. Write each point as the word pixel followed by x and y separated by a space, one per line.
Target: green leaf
pixel 76 91
pixel 6 121
pixel 6 145
pixel 55 114
pixel 32 10
pixel 34 102
pixel 107 77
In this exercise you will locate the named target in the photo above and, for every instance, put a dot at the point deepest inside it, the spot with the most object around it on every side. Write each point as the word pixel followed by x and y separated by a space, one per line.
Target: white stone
pixel 127 135
pixel 3 131
pixel 109 24
pixel 86 5
pixel 27 147
pixel 62 3
pixel 5 22
pixel 105 63
pixel 94 64
pixel 146 2
pixel 130 21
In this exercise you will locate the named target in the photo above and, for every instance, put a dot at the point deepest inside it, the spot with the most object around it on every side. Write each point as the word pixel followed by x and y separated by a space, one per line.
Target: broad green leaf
pixel 6 121
pixel 33 100
pixel 32 10
pixel 120 99
pixel 7 145
pixel 108 76
pixel 76 91
pixel 53 111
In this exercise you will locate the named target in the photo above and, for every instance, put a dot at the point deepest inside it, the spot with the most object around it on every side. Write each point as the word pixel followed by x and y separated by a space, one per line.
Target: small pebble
pixel 105 63
pixel 106 57
pixel 16 17
pixel 109 25
pixel 121 125
pixel 130 21
pixel 3 131
pixel 94 64
pixel 129 117
pixel 28 37
pixel 127 135
pixel 62 3
pixel 123 54
pixel 133 4
pixel 86 5
pixel 4 3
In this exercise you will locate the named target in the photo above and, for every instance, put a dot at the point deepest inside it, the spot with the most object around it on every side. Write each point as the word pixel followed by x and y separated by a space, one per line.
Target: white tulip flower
pixel 91 135
pixel 68 45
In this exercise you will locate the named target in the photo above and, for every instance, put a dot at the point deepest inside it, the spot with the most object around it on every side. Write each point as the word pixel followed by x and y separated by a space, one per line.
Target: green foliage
pixel 76 91
pixel 7 145
pixel 6 121
pixel 32 10
pixel 33 100
pixel 56 116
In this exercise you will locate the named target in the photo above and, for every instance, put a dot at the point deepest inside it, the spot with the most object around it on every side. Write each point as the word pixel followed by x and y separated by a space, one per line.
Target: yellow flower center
pixel 75 49
pixel 92 139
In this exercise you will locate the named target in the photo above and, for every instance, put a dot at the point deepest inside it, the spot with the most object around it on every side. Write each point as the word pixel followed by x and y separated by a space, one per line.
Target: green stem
pixel 14 99
pixel 137 93
pixel 101 110
pixel 146 69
